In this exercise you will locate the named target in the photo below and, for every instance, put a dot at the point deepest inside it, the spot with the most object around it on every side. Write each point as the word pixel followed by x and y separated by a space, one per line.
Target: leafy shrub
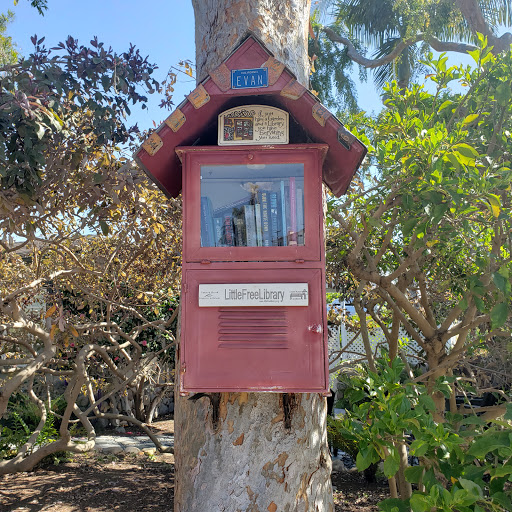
pixel 463 463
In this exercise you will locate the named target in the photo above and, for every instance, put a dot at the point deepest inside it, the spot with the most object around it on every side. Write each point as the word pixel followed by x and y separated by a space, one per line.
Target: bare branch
pixel 440 46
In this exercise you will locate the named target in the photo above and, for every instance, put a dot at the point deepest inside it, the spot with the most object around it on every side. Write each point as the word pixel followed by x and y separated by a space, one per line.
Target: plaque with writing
pixel 253 294
pixel 253 124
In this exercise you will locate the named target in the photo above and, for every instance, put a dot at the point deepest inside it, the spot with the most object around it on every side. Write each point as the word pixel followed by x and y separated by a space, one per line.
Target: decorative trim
pixel 320 113
pixel 152 144
pixel 199 97
pixel 293 90
pixel 176 120
pixel 221 77
pixel 345 138
pixel 275 69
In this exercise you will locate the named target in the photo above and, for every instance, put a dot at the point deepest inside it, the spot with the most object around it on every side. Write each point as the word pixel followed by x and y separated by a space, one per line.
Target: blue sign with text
pixel 249 78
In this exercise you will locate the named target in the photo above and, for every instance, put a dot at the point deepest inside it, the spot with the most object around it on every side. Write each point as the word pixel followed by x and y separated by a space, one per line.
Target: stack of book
pixel 263 219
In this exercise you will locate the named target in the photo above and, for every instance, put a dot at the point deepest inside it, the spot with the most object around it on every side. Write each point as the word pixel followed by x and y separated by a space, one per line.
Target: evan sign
pixel 249 78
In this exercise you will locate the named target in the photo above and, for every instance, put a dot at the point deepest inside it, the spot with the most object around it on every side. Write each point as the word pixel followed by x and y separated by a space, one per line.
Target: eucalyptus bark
pixel 252 451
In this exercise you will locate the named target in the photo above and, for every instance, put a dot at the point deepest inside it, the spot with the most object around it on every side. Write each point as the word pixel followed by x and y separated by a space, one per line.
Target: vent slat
pixel 254 345
pixel 261 328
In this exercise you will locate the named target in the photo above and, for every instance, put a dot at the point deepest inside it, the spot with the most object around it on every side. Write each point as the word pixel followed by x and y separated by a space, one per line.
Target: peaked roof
pixel 213 95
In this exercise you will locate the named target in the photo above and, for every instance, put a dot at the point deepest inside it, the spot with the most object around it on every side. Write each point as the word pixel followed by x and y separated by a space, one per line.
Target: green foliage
pixel 331 69
pixel 67 92
pixel 17 427
pixel 8 53
pixel 431 221
pixel 462 464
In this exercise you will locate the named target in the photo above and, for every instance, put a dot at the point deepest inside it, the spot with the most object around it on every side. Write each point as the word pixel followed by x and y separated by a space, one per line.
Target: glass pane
pixel 252 205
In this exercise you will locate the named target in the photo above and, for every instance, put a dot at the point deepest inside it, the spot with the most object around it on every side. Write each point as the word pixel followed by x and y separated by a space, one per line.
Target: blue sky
pixel 162 29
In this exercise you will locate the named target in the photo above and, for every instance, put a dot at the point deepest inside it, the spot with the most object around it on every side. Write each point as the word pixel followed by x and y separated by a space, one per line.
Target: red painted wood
pixel 276 349
pixel 164 168
pixel 272 349
pixel 311 155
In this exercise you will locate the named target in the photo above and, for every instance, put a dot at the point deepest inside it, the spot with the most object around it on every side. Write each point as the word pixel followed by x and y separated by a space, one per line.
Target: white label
pixel 253 124
pixel 254 294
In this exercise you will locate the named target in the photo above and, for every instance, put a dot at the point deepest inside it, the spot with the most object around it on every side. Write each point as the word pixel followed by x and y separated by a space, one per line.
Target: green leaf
pixel 420 503
pixel 409 225
pixel 502 283
pixel 508 414
pixel 499 315
pixel 471 487
pixel 501 471
pixel 419 447
pixel 393 505
pixel 503 94
pixel 104 227
pixel 469 119
pixel 413 474
pixel 391 464
pixel 466 150
pixel 502 499
pixel 489 442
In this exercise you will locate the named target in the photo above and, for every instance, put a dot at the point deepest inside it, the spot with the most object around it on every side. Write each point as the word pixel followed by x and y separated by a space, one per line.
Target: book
pixel 274 219
pixel 250 225
pixel 218 224
pixel 207 228
pixel 300 216
pixel 228 232
pixel 284 231
pixel 259 233
pixel 265 220
pixel 239 227
pixel 292 229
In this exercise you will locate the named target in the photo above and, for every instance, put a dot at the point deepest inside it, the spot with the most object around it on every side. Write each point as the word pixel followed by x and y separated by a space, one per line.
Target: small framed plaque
pixel 253 124
pixel 253 294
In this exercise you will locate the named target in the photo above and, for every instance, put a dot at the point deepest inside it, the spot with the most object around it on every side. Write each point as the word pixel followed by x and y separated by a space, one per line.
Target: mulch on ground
pixel 137 483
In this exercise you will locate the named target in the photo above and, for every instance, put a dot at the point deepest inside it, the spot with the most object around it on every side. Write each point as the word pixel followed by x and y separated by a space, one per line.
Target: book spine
pixel 259 232
pixel 229 235
pixel 218 223
pixel 283 214
pixel 265 220
pixel 292 239
pixel 250 225
pixel 206 241
pixel 300 216
pixel 274 220
pixel 239 231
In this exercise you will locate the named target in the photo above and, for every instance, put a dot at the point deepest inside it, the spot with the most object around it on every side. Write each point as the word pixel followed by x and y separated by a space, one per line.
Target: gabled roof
pixel 200 109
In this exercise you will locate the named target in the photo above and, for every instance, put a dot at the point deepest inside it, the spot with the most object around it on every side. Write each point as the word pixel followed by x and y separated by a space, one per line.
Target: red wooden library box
pixel 253 285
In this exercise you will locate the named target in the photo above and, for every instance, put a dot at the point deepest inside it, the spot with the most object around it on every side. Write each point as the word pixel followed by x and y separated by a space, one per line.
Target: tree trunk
pixel 282 25
pixel 252 451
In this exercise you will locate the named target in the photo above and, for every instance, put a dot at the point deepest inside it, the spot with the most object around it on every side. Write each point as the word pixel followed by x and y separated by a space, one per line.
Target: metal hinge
pixel 205 262
pixel 299 261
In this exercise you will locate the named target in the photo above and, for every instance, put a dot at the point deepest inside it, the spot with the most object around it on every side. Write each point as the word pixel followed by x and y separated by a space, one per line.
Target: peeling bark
pixel 282 26
pixel 252 461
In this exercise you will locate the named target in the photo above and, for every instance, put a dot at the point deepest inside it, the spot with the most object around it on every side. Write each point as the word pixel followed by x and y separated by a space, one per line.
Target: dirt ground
pixel 128 483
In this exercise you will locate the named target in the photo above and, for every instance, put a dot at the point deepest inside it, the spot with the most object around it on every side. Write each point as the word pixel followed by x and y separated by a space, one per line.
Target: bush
pixel 464 464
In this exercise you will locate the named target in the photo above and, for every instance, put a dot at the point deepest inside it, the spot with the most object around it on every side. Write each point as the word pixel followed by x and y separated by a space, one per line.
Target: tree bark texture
pixel 281 25
pixel 252 452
